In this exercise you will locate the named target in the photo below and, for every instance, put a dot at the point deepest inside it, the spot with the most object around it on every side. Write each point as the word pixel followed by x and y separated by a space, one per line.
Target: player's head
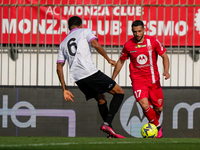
pixel 138 30
pixel 137 23
pixel 74 22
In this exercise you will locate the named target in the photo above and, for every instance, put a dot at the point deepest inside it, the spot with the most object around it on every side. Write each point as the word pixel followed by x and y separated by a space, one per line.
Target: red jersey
pixel 143 59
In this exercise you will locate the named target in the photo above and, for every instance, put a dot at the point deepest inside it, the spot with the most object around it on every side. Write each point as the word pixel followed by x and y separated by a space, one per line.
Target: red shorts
pixel 153 92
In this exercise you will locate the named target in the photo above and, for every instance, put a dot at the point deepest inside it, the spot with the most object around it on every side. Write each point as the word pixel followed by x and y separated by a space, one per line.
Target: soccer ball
pixel 149 130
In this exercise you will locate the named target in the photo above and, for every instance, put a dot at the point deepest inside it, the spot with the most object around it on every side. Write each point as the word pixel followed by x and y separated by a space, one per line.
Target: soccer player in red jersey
pixel 143 51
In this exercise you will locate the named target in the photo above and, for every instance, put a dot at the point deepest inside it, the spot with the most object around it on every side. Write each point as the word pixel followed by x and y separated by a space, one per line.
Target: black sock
pixel 158 128
pixel 103 110
pixel 114 106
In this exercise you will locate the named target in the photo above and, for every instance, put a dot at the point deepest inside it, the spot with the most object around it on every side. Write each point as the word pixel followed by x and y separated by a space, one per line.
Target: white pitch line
pixel 73 143
pixel 58 144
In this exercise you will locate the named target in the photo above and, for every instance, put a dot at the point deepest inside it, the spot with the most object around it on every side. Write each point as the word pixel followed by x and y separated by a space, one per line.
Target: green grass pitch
pixel 97 143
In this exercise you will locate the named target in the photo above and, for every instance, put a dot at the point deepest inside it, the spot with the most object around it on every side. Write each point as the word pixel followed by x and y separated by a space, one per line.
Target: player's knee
pixel 144 103
pixel 145 107
pixel 101 101
pixel 158 109
pixel 119 96
pixel 119 90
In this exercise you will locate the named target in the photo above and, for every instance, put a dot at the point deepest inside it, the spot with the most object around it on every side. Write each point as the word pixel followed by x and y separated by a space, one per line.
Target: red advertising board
pixel 173 24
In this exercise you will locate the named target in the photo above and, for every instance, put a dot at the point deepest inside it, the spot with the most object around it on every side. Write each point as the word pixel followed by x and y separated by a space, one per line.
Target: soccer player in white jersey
pixel 143 51
pixel 76 48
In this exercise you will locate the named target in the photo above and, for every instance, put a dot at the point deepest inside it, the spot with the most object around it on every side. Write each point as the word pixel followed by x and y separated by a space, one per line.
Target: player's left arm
pixel 162 52
pixel 166 65
pixel 101 51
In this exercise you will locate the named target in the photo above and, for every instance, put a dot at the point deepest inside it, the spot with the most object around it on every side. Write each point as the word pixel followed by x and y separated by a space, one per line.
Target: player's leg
pixel 141 93
pixel 158 111
pixel 148 111
pixel 92 93
pixel 102 105
pixel 157 100
pixel 118 96
pixel 156 96
pixel 101 83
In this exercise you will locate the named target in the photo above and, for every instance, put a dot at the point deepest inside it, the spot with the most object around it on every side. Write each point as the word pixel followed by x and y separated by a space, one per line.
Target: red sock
pixel 151 116
pixel 158 115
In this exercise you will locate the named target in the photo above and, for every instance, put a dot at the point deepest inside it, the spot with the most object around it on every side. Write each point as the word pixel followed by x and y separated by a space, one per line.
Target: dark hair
pixel 74 21
pixel 137 23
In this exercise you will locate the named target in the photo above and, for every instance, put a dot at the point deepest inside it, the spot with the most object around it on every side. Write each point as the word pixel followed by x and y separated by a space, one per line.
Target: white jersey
pixel 77 50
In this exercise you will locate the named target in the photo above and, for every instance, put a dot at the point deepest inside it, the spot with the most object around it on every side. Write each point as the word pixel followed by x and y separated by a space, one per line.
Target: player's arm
pixel 66 93
pixel 166 65
pixel 101 51
pixel 117 68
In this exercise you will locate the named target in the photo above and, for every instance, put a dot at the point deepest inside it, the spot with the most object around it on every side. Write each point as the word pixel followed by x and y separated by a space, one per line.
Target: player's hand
pixel 167 75
pixel 68 95
pixel 112 62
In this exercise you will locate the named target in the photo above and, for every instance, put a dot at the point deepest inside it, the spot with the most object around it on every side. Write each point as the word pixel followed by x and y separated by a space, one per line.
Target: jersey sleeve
pixel 90 35
pixel 160 49
pixel 61 58
pixel 124 54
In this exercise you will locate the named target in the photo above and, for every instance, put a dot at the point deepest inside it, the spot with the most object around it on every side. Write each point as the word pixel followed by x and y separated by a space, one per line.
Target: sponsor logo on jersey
pixel 121 54
pixel 140 46
pixel 133 51
pixel 142 59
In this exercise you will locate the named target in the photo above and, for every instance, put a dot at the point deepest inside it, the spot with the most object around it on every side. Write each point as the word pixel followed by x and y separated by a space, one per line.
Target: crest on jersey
pixel 149 47
pixel 142 59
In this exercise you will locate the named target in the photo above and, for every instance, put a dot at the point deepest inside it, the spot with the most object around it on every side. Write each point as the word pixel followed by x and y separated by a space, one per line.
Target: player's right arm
pixel 117 68
pixel 66 93
pixel 101 51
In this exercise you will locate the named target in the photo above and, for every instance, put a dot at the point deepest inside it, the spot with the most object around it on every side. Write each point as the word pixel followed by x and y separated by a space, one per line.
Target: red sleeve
pixel 124 54
pixel 160 49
